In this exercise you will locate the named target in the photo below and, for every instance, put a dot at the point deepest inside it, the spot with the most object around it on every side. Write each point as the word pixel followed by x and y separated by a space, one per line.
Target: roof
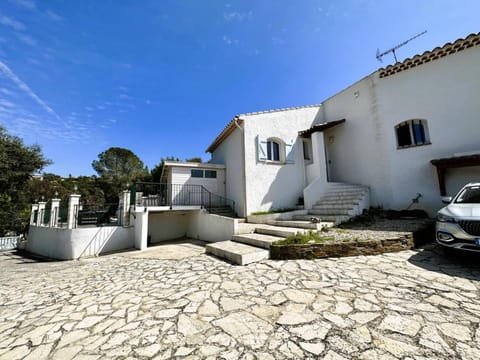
pixel 320 127
pixel 193 165
pixel 457 161
pixel 171 164
pixel 439 52
pixel 237 119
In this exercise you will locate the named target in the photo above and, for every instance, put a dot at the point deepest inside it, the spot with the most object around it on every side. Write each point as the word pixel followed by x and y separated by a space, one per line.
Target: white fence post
pixel 125 207
pixel 32 215
pixel 73 203
pixel 41 213
pixel 55 208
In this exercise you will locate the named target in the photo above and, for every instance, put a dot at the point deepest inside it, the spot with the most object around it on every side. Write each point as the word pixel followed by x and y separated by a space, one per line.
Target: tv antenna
pixel 392 50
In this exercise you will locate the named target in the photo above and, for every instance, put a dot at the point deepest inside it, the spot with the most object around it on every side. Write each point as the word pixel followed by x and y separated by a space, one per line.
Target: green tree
pixel 194 159
pixel 18 162
pixel 156 172
pixel 117 167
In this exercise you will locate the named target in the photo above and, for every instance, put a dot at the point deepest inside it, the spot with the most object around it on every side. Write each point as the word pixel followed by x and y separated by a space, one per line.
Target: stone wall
pixel 317 251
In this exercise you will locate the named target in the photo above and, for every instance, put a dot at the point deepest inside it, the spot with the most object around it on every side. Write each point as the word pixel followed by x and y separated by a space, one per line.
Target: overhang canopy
pixel 453 162
pixel 320 127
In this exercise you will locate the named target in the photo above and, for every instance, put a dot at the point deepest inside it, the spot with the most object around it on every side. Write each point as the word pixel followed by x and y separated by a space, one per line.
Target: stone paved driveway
pixel 414 305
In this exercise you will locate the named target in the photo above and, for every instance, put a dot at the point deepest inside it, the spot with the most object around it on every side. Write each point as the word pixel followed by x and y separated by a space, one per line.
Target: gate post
pixel 54 212
pixel 33 220
pixel 41 213
pixel 73 202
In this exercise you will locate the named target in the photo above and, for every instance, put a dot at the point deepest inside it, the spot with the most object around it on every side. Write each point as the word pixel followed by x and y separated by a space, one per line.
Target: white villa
pixel 399 138
pixel 383 132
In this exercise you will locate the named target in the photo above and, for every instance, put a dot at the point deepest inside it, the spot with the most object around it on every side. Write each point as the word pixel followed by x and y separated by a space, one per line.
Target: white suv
pixel 458 224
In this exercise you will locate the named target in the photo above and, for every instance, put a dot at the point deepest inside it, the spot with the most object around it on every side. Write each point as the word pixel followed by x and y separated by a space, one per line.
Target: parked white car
pixel 458 223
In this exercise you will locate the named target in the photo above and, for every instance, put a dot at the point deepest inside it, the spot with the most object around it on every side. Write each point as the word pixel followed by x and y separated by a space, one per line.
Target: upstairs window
pixel 273 150
pixel 412 133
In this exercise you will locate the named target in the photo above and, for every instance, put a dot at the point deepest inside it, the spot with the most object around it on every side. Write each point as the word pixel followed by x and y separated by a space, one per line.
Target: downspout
pixel 243 167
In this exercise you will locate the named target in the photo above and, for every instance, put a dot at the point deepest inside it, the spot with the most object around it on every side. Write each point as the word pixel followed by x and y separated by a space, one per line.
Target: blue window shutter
pixel 290 153
pixel 261 149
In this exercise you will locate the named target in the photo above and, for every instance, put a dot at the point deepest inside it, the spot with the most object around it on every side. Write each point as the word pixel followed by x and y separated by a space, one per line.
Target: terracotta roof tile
pixel 427 56
pixel 231 125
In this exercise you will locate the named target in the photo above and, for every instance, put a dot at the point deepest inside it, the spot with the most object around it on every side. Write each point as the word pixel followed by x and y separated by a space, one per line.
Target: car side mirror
pixel 446 199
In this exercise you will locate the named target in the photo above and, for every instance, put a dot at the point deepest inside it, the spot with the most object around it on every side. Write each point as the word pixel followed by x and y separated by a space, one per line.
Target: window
pixel 210 174
pixel 412 133
pixel 197 173
pixel 273 151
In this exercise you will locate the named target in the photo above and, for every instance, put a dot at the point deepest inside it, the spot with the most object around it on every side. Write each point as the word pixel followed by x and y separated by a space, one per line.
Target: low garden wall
pixel 318 251
pixel 357 246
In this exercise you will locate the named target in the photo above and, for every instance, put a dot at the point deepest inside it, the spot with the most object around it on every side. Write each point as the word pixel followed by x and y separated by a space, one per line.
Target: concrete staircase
pixel 339 204
pixel 247 248
pixel 222 211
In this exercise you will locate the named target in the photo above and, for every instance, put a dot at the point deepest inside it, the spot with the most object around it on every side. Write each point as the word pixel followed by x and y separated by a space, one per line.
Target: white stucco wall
pixel 197 224
pixel 230 153
pixel 272 185
pixel 167 225
pixel 364 149
pixel 67 244
pixel 182 176
pixel 210 227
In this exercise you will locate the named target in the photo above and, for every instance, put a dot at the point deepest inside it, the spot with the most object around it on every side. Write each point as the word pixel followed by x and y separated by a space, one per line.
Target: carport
pixel 444 164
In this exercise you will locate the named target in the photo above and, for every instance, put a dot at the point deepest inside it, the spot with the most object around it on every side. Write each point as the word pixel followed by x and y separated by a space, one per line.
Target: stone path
pixel 407 305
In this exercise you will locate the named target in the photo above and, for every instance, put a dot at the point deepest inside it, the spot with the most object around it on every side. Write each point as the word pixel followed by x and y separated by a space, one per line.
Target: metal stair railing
pixel 159 194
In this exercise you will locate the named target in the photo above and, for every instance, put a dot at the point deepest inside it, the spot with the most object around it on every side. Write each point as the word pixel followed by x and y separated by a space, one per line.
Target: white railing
pixel 9 242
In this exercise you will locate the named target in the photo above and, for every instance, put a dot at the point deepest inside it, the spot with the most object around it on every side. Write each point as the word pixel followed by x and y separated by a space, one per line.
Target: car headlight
pixel 445 218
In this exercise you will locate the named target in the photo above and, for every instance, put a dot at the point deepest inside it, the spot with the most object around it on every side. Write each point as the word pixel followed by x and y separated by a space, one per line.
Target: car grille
pixel 470 227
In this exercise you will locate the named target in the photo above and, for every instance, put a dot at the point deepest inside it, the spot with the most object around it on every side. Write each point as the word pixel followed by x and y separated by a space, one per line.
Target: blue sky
pixel 164 77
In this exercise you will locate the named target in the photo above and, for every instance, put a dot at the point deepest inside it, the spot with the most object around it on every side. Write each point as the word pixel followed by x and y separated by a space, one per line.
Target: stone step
pixel 340 192
pixel 341 197
pixel 237 253
pixel 336 201
pixel 254 239
pixel 344 185
pixel 300 224
pixel 336 219
pixel 278 231
pixel 329 211
pixel 338 208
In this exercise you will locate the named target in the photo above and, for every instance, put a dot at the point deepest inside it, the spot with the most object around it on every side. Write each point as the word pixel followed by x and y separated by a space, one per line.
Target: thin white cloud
pixel 5 103
pixel 10 22
pixel 26 4
pixel 24 87
pixel 229 41
pixel 26 39
pixel 6 91
pixel 238 16
pixel 125 65
pixel 54 16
